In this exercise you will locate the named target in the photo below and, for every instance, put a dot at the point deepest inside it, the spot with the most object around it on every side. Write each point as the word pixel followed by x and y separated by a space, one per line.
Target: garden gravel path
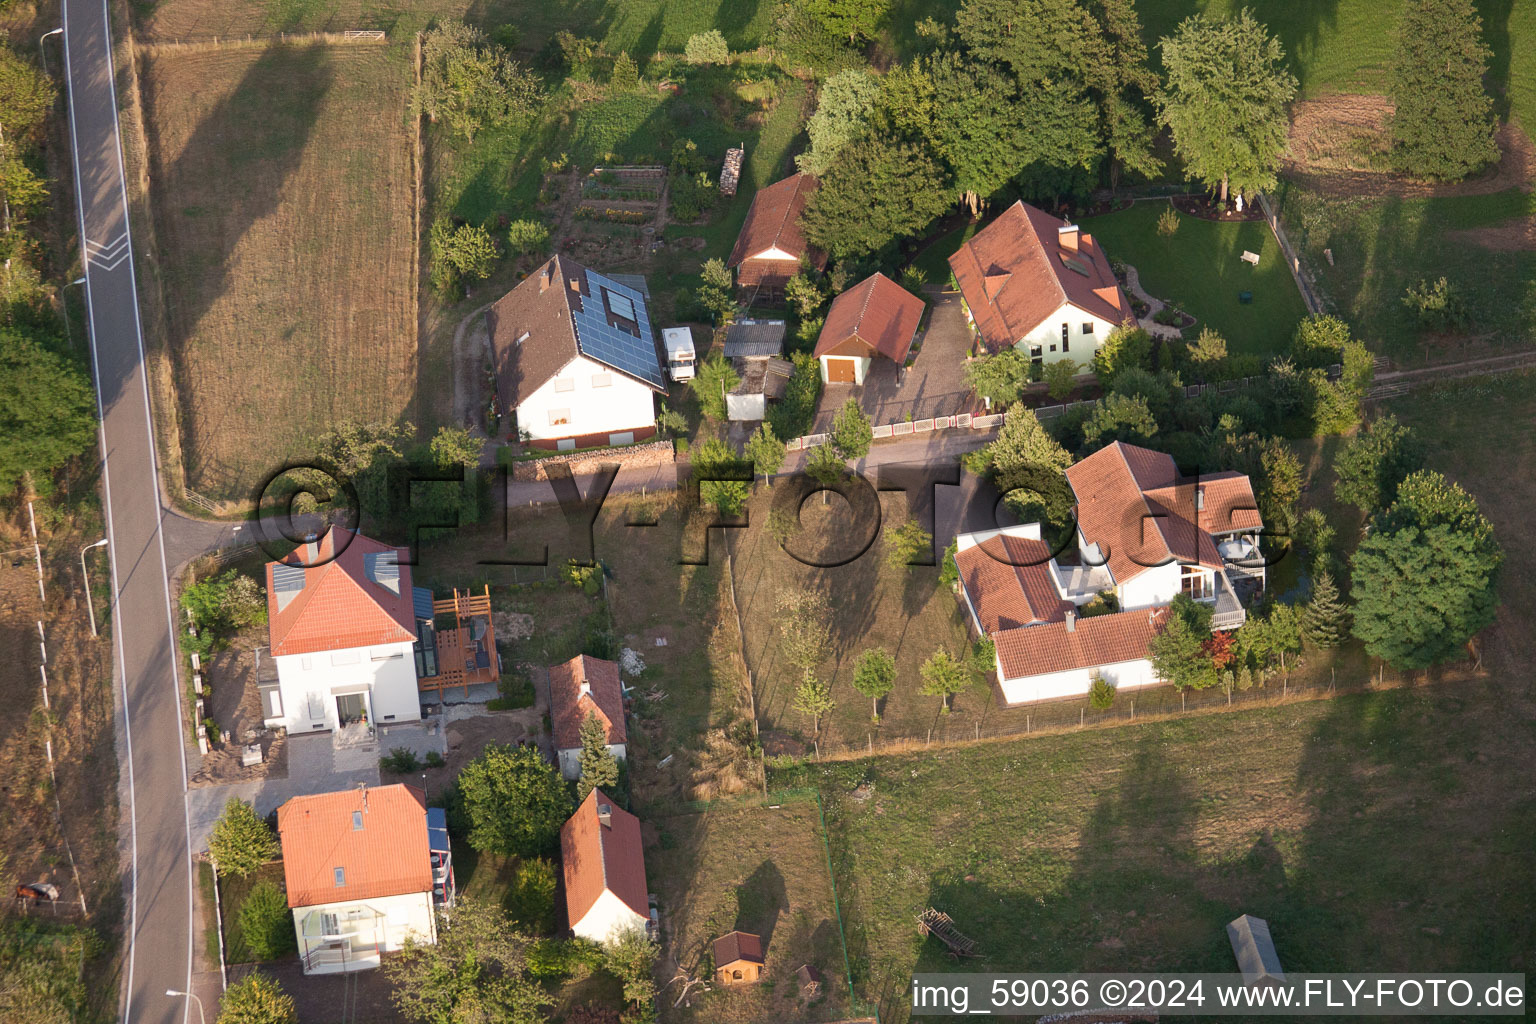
pixel 1154 306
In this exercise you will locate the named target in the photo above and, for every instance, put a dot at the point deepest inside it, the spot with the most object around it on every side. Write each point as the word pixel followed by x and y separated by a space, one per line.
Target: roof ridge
pixel 799 181
pixel 1119 447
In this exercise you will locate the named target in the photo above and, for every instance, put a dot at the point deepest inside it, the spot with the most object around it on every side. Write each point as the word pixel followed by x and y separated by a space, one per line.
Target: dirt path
pixel 1332 137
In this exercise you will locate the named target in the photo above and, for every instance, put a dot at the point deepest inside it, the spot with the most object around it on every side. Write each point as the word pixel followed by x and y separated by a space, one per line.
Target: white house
pixel 363 874
pixel 604 866
pixel 1036 283
pixel 580 687
pixel 342 630
pixel 576 359
pixel 1144 535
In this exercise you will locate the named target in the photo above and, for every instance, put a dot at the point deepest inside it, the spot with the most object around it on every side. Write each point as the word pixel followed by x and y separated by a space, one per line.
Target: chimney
pixel 575 285
pixel 1071 621
pixel 544 281
pixel 1199 499
pixel 586 688
pixel 311 548
pixel 605 815
pixel 1066 237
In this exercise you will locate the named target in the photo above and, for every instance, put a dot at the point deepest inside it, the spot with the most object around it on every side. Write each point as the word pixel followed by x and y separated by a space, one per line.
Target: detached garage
pixel 876 317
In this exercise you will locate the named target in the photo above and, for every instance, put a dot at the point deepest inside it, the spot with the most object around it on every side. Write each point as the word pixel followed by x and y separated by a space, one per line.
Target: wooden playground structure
pixel 942 927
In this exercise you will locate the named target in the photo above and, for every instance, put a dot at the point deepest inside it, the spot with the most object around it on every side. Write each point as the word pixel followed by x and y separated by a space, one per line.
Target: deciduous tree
pixel 706 48
pixel 908 545
pixel 257 999
pixel 1118 417
pixel 471 83
pixel 1424 579
pixel 813 698
pixel 851 432
pixel 876 190
pixel 1374 462
pixel 47 409
pixel 874 675
pixel 476 971
pixel 713 379
pixel 805 628
pixel 765 450
pixel 943 676
pixel 998 379
pixel 724 480
pixel 1225 101
pixel 515 802
pixel 855 19
pixel 843 108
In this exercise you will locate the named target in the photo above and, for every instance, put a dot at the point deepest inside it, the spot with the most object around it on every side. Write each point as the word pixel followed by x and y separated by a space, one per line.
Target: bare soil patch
pixel 283 191
pixel 1338 146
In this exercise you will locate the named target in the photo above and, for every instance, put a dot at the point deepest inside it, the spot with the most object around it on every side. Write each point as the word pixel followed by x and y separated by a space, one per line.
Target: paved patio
pixel 934 385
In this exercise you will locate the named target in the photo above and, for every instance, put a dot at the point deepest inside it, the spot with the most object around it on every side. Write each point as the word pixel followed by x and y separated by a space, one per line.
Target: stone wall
pixel 652 453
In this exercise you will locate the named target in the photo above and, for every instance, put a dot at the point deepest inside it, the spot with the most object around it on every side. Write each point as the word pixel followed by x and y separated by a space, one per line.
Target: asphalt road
pixel 152 759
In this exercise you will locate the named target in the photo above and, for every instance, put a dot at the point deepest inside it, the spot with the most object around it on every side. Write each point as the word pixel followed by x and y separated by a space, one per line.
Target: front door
pixel 350 708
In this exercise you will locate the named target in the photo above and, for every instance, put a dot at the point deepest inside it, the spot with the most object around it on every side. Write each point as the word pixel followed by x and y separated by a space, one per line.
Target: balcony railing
pixel 334 959
pixel 1229 612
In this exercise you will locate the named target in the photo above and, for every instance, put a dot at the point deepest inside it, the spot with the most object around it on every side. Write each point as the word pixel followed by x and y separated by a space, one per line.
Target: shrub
pixel 400 761
pixel 527 236
pixel 586 578
pixel 1103 603
pixel 241 842
pixel 1438 307
pixel 433 760
pixel 1101 695
pixel 257 999
pixel 1168 222
pixel 265 923
pixel 706 48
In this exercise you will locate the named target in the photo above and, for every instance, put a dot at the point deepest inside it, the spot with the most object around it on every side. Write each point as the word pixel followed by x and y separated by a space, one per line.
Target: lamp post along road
pixel 41 55
pixel 90 607
pixel 192 996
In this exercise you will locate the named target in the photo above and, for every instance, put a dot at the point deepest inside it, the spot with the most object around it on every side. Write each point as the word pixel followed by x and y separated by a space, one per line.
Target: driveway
pixel 934 385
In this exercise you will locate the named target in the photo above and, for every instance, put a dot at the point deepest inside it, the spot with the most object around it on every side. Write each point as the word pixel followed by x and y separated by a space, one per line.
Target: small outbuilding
pixel 876 317
pixel 1255 950
pixel 738 958
pixel 810 980
pixel 762 381
pixel 754 339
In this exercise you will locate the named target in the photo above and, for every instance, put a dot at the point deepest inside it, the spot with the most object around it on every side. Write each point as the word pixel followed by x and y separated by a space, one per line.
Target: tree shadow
pixel 251 137
pixel 760 901
pixel 1495 15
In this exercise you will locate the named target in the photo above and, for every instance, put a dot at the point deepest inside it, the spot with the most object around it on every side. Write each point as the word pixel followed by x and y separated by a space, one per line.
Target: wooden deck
pixel 466 654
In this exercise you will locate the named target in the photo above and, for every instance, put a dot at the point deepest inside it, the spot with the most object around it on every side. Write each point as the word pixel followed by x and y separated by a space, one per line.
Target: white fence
pixel 960 421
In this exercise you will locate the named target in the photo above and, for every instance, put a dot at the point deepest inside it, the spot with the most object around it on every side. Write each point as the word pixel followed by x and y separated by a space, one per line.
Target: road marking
pixel 108 255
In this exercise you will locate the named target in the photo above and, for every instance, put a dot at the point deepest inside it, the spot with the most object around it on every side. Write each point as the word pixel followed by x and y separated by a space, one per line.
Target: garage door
pixel 840 371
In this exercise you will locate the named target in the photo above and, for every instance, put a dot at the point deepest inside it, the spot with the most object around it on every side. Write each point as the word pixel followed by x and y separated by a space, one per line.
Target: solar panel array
pixel 615 346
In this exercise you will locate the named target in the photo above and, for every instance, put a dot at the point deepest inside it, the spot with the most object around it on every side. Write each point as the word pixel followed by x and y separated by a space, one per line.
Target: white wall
pixel 746 408
pixel 570 759
pixel 387 670
pixel 1080 346
pixel 1077 682
pixel 1153 586
pixel 608 918
pixel 624 404
pixel 385 921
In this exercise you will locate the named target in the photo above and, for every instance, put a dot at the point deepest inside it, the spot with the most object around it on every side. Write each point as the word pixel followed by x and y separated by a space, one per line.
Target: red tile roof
pixel 734 947
pixel 1014 273
pixel 597 857
pixel 569 706
pixel 388 856
pixel 339 606
pixel 878 314
pixel 773 222
pixel 1009 582
pixel 1100 640
pixel 1133 504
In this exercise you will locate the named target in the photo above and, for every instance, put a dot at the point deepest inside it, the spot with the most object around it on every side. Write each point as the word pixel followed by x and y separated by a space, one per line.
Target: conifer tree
pixel 1324 623
pixel 599 768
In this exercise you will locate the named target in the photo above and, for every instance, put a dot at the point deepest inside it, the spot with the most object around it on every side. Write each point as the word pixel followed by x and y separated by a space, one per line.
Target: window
pixel 344 658
pixel 1088 327
pixel 1064 334
pixel 565 383
pixel 559 417
pixel 567 444
pixel 602 380
pixel 1053 348
pixel 1197 583
pixel 735 975
pixel 306 663
pixel 385 654
pixel 341 877
pixel 357 823
pixel 1036 353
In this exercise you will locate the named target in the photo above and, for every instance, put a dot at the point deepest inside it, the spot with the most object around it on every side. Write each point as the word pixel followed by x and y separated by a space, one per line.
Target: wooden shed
pixel 738 958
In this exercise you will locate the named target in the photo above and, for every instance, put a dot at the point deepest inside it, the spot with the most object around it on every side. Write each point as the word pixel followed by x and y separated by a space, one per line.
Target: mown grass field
pixel 282 190
pixel 1383 245
pixel 756 869
pixel 1200 269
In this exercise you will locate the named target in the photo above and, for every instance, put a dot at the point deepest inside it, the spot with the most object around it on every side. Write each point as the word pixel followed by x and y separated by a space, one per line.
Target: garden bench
pixel 1250 257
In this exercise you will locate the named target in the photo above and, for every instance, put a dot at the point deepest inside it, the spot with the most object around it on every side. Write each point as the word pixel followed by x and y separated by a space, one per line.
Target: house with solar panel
pixel 1036 283
pixel 365 869
pixel 353 645
pixel 576 359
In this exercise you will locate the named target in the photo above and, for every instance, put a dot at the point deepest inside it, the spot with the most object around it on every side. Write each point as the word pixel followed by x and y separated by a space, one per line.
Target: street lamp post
pixel 41 55
pixel 90 606
pixel 192 996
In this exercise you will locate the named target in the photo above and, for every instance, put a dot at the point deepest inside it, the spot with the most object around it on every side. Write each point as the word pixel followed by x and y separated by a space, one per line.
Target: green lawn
pixel 1382 246
pixel 934 260
pixel 1199 268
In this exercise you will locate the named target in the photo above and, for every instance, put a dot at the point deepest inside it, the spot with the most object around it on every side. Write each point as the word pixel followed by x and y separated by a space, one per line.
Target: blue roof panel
pixel 421 602
pixel 437 829
pixel 614 346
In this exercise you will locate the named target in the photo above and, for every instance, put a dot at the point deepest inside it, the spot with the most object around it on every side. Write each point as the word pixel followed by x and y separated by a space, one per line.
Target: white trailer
pixel 680 355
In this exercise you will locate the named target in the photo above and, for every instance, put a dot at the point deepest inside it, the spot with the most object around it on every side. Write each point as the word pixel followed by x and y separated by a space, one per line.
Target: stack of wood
pixel 730 173
pixel 942 927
